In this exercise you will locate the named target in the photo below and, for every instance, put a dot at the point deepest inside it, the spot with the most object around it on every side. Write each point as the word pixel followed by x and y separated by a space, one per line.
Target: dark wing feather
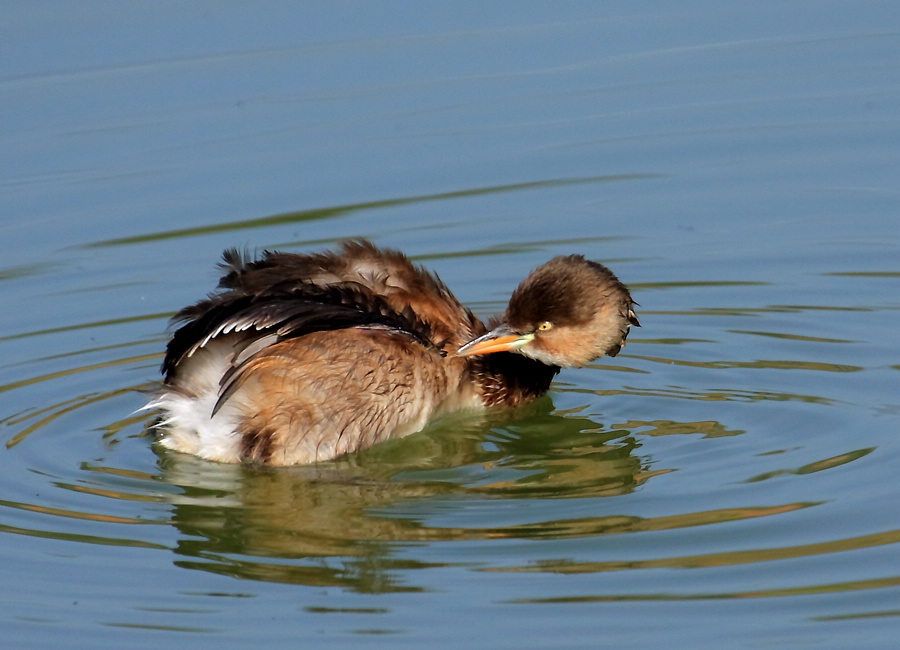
pixel 408 289
pixel 286 310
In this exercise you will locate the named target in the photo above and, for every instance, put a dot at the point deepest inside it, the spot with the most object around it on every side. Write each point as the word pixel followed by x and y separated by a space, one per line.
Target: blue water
pixel 727 481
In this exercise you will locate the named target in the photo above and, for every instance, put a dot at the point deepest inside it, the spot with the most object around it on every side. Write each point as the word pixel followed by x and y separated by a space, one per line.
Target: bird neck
pixel 507 379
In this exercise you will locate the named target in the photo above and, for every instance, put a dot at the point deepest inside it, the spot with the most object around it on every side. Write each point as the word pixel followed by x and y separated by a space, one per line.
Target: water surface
pixel 727 480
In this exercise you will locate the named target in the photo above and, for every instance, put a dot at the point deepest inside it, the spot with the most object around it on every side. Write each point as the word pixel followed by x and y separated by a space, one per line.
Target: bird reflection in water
pixel 337 523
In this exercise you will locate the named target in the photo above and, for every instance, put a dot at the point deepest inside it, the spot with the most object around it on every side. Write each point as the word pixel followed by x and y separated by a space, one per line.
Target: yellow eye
pixel 546 325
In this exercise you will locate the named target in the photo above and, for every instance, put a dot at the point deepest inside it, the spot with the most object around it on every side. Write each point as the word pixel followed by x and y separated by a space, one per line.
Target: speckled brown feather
pixel 509 380
pixel 290 397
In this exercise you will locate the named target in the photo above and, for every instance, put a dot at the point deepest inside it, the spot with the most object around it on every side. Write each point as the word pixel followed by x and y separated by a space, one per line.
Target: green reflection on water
pixel 818 466
pixel 771 364
pixel 89 326
pixel 316 214
pixel 828 588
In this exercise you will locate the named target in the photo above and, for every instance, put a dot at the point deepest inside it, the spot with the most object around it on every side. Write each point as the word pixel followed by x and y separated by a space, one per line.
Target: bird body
pixel 303 358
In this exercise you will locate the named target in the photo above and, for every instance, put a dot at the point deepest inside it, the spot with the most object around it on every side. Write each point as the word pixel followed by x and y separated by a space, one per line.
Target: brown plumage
pixel 303 358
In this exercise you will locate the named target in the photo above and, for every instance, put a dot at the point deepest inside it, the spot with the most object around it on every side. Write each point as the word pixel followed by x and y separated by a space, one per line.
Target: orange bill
pixel 500 339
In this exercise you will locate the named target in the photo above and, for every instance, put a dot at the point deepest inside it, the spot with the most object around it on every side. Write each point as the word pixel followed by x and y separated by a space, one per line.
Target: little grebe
pixel 302 358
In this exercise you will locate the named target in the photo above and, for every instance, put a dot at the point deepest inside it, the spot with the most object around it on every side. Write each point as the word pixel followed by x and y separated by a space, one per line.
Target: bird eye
pixel 546 325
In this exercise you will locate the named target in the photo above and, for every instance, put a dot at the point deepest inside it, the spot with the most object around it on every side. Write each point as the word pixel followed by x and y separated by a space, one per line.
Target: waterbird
pixel 302 358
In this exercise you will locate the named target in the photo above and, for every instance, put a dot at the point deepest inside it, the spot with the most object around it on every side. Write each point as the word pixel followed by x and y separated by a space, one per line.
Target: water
pixel 728 480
